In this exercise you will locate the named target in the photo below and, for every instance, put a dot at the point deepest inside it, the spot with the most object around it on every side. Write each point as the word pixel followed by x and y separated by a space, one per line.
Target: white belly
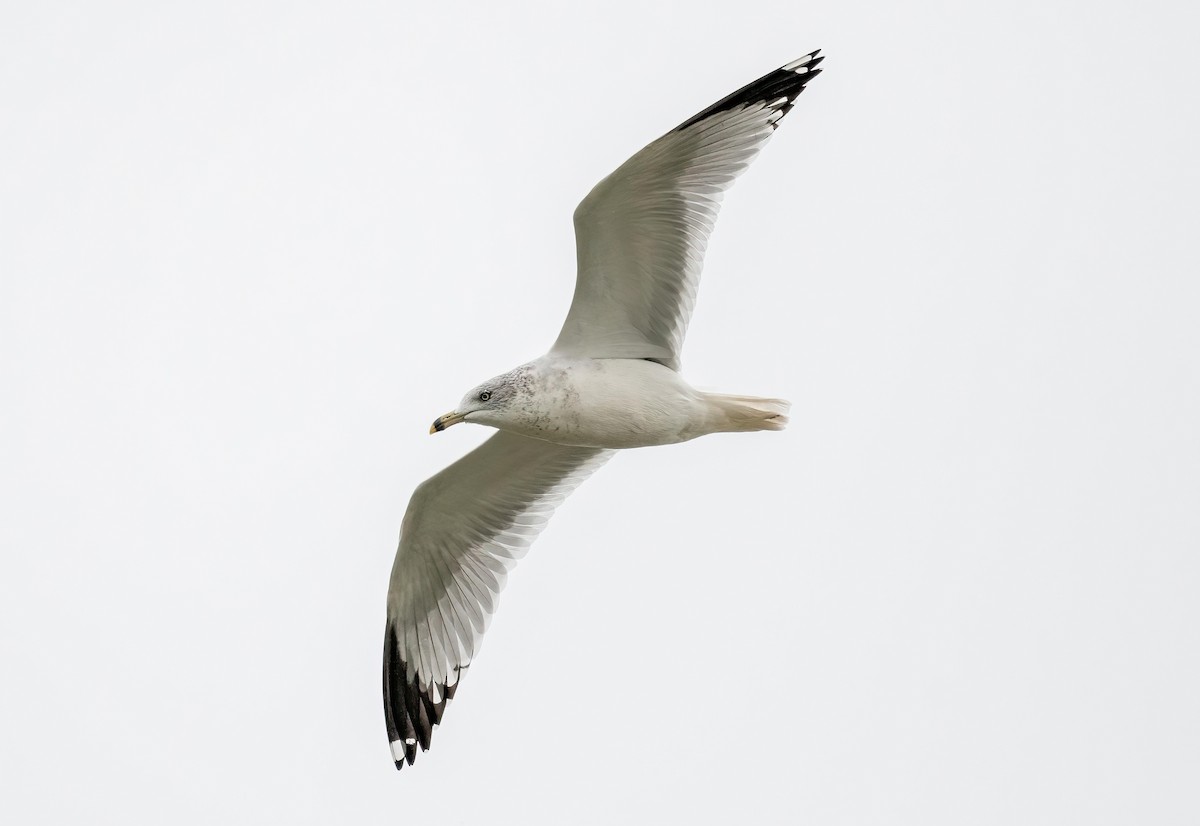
pixel 613 403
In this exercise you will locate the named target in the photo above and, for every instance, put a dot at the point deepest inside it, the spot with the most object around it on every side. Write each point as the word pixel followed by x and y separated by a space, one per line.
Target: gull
pixel 610 382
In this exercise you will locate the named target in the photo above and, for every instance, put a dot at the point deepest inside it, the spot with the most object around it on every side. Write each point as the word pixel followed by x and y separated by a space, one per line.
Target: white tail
pixel 741 413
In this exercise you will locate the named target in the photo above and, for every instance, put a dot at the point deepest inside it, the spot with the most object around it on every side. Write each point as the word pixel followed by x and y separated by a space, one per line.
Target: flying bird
pixel 611 381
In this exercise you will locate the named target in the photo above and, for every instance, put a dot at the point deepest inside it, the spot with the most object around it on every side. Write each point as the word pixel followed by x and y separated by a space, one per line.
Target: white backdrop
pixel 250 250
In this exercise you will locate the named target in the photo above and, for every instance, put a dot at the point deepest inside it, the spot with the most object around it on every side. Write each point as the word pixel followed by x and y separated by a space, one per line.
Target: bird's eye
pixel 485 395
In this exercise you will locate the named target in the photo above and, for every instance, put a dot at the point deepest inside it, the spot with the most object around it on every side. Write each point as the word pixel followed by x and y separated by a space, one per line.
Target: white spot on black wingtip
pixel 409 710
pixel 775 90
pixel 804 64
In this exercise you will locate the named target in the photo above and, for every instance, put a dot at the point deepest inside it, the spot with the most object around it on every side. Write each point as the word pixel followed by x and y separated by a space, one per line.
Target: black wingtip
pixel 787 81
pixel 410 713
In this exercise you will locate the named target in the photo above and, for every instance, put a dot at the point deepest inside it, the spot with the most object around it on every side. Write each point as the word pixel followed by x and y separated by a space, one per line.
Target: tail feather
pixel 739 414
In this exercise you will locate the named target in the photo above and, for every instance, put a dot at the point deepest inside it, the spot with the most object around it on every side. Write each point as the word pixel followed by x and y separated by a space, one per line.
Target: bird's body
pixel 616 403
pixel 610 382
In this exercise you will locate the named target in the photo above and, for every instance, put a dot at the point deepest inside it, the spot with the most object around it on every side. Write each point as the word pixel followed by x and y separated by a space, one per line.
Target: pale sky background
pixel 248 251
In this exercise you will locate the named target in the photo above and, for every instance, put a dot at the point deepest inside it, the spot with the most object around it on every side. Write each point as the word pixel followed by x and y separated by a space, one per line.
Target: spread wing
pixel 641 233
pixel 464 529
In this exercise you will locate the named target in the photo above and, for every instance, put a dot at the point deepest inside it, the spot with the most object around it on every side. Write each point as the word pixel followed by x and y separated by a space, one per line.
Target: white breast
pixel 614 403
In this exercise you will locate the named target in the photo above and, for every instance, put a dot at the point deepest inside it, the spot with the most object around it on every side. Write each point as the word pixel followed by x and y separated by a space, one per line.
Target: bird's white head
pixel 496 402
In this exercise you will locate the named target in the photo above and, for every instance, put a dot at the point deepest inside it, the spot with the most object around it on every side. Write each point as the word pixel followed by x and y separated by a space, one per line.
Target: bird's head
pixel 491 403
